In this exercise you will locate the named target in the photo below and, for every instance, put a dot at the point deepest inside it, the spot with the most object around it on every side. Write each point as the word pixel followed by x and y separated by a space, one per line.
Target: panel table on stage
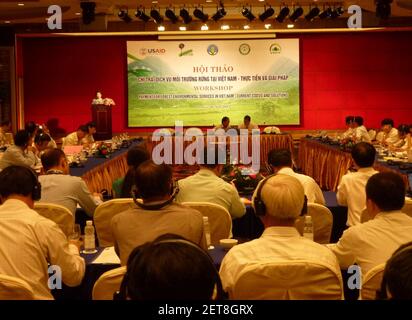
pixel 327 163
pixel 267 143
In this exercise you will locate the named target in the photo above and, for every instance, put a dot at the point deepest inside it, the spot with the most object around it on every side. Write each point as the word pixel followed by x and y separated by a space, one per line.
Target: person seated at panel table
pixel 75 138
pixel 284 201
pixel 59 187
pixel 390 134
pixel 351 188
pixel 225 125
pixel 247 124
pixel 403 136
pixel 135 157
pixel 350 130
pixel 170 268
pixel 21 153
pixel 360 132
pixel 207 186
pixel 29 243
pixel 91 130
pixel 5 126
pixel 397 276
pixel 280 161
pixel 155 213
pixel 373 242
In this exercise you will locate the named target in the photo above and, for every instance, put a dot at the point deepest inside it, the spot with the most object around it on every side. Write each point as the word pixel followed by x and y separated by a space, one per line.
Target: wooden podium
pixel 102 116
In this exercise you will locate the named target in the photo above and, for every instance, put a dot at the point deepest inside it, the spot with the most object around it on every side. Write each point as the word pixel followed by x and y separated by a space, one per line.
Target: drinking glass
pixel 76 233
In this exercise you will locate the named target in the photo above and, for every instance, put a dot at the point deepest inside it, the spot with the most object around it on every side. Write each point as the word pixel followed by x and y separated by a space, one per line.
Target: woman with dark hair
pixel 123 186
pixel 170 268
pixel 21 154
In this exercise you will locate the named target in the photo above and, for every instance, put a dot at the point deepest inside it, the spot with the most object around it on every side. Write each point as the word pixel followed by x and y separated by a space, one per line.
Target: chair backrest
pixel 372 134
pixel 108 283
pixel 219 218
pixel 288 280
pixel 407 208
pixel 59 214
pixel 322 220
pixel 12 288
pixel 372 282
pixel 103 216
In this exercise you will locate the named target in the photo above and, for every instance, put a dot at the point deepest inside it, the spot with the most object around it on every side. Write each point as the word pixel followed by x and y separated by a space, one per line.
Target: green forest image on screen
pixel 267 110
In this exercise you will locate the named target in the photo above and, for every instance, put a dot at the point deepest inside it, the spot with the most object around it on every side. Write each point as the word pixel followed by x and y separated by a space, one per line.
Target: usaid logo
pixel 152 51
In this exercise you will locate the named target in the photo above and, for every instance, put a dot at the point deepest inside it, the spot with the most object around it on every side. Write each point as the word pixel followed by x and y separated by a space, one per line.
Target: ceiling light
pixel 204 27
pixel 383 9
pixel 284 12
pixel 124 15
pixel 156 16
pixel 20 4
pixel 7 22
pixel 161 28
pixel 247 13
pixel 313 13
pixel 200 15
pixel 77 13
pixel 246 27
pixel 220 13
pixel 337 12
pixel 170 14
pixel 187 18
pixel 290 26
pixel 296 14
pixel 182 28
pixel 88 9
pixel 141 15
pixel 267 14
pixel 267 26
pixel 326 13
pixel 225 27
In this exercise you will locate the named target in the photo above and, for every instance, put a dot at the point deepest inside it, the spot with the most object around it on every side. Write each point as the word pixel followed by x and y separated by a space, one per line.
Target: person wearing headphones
pixel 170 268
pixel 21 153
pixel 278 200
pixel 155 213
pixel 29 243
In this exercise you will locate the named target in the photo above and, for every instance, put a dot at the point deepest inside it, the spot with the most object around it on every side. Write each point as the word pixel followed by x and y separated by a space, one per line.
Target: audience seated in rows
pixel 29 242
pixel 207 186
pixel 351 189
pixel 280 161
pixel 170 268
pixel 284 201
pixel 156 213
pixel 397 276
pixel 372 243
pixel 21 153
pixel 59 187
pixel 122 187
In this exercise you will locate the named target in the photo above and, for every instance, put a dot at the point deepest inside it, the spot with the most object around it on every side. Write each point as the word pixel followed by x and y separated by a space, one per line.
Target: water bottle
pixel 308 228
pixel 206 228
pixel 89 240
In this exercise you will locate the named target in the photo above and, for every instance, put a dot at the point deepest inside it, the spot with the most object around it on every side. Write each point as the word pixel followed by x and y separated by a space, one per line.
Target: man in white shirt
pixel 351 189
pixel 89 139
pixel 75 138
pixel 225 124
pixel 21 153
pixel 247 124
pixel 30 242
pixel 361 134
pixel 60 188
pixel 390 134
pixel 373 242
pixel 207 186
pixel 280 161
pixel 283 198
pixel 349 124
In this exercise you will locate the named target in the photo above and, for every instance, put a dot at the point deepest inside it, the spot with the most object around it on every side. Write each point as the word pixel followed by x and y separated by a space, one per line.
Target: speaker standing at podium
pixel 99 100
pixel 102 116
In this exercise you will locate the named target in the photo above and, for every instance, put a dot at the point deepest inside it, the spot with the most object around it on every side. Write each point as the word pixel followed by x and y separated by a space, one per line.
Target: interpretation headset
pixel 36 192
pixel 259 205
pixel 174 191
pixel 122 293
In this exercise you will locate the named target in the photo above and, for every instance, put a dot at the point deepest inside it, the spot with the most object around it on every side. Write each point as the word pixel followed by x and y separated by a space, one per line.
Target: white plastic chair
pixel 108 283
pixel 59 214
pixel 372 282
pixel 219 218
pixel 322 220
pixel 103 216
pixel 12 288
pixel 288 280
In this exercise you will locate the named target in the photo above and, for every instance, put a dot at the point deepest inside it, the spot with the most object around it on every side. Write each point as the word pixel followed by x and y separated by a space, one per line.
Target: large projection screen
pixel 199 82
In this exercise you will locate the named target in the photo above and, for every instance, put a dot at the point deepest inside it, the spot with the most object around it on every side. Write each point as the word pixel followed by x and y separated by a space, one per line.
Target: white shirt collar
pixel 289 232
pixel 286 170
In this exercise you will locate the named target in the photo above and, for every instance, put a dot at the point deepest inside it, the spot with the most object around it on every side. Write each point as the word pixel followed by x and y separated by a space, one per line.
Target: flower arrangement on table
pixel 103 150
pixel 244 178
pixel 346 145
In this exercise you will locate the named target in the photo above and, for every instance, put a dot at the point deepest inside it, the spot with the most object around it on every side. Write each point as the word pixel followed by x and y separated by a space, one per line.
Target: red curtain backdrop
pixel 367 74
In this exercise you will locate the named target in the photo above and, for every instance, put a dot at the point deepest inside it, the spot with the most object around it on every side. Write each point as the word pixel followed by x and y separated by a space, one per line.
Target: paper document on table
pixel 108 256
